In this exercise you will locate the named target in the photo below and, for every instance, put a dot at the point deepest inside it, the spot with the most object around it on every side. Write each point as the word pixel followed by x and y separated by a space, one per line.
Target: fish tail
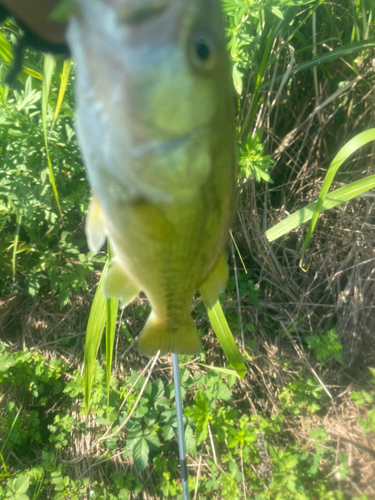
pixel 162 335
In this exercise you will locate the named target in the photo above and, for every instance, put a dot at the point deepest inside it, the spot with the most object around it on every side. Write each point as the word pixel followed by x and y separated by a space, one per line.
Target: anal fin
pixel 118 284
pixel 215 283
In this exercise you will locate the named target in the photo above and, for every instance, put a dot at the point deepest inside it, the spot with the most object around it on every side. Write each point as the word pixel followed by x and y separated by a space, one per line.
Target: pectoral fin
pixel 95 227
pixel 215 282
pixel 118 284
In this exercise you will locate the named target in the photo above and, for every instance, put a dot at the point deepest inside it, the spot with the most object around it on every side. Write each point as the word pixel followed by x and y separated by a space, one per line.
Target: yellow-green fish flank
pixel 156 125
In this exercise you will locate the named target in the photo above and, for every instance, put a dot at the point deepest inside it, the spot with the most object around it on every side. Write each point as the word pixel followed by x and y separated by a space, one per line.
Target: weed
pixel 325 346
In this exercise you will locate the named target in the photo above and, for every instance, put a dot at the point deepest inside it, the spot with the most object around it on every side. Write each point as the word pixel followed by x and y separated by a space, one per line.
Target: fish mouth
pixel 161 147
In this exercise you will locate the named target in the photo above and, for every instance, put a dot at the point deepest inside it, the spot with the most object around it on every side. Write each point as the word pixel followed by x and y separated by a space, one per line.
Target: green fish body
pixel 155 120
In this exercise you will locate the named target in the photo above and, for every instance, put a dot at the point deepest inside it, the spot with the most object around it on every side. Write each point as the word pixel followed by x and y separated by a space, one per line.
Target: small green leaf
pixel 237 79
pixel 222 392
pixel 168 432
pixel 123 494
pixel 64 297
pixel 140 454
pixel 190 441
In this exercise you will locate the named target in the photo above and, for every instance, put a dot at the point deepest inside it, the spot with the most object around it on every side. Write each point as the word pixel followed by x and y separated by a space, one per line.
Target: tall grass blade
pixel 15 246
pixel 335 198
pixel 94 333
pixel 329 57
pixel 259 78
pixel 48 68
pixel 10 430
pixel 64 82
pixel 111 310
pixel 225 337
pixel 351 147
pixel 224 371
pixel 334 54
pixel 238 251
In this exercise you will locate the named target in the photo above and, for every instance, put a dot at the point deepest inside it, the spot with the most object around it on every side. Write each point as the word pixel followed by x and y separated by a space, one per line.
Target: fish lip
pixel 164 146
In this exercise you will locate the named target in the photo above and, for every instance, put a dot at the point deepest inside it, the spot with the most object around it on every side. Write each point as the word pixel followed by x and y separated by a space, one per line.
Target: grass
pixel 300 424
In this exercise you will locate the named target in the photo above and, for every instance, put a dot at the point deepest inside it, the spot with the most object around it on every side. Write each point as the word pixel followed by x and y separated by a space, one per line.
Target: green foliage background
pixel 283 54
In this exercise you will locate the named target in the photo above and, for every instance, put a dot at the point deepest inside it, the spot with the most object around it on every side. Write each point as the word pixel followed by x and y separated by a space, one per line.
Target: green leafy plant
pixel 302 394
pixel 253 161
pixel 367 399
pixel 16 488
pixel 325 346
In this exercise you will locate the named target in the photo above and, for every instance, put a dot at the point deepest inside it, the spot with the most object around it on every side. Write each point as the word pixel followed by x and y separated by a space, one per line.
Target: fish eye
pixel 203 52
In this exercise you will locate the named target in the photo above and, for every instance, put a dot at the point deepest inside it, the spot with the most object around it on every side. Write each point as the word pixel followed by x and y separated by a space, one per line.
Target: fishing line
pixel 180 428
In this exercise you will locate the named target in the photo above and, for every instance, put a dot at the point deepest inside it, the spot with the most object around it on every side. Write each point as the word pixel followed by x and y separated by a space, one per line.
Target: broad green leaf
pixel 94 333
pixel 221 391
pixel 48 68
pixel 140 454
pixel 17 488
pixel 6 361
pixel 335 198
pixel 123 494
pixel 168 432
pixel 21 484
pixel 152 440
pixel 225 337
pixel 157 390
pixel 351 147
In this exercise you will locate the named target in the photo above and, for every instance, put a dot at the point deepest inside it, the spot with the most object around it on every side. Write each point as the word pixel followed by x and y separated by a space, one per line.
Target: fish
pixel 155 121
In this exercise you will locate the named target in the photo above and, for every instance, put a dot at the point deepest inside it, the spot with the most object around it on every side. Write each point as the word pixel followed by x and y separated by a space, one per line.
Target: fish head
pixel 154 95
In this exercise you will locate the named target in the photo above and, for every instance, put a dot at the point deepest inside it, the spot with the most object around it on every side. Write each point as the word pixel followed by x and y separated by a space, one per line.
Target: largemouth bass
pixel 155 120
